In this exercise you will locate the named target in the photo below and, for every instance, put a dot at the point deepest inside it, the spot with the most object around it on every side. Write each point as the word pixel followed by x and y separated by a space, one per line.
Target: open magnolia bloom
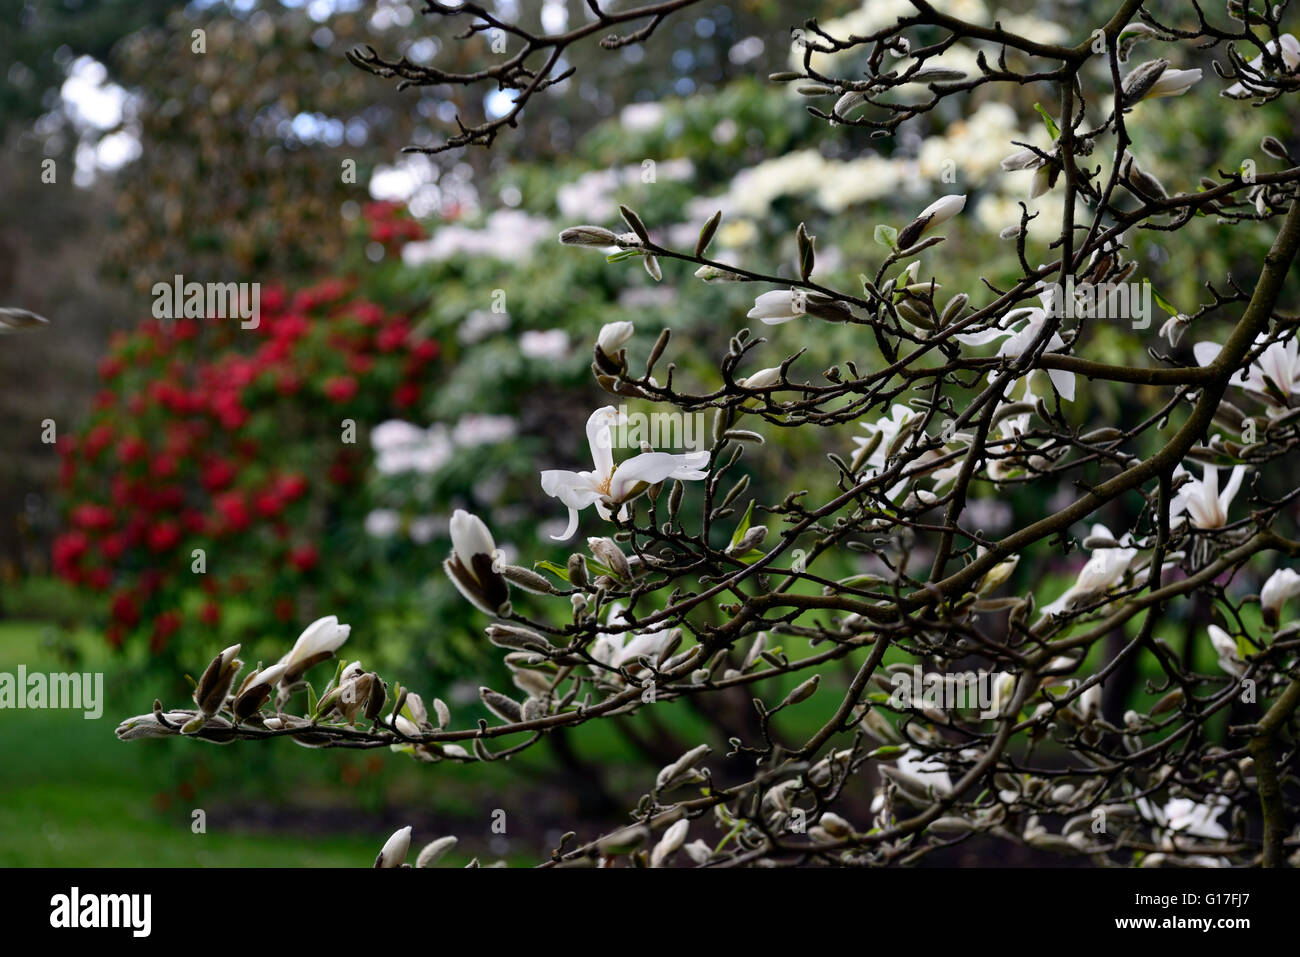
pixel 1205 505
pixel 608 485
pixel 621 649
pixel 318 641
pixel 1290 49
pixel 1104 570
pixel 1225 646
pixel 919 777
pixel 1019 340
pixel 878 440
pixel 1281 585
pixel 1273 378
pixel 875 448
pixel 1188 817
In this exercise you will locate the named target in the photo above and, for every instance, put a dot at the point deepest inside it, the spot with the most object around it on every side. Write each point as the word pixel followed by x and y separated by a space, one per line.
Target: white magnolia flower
pixel 434 851
pixel 941 210
pixel 472 563
pixel 778 306
pixel 1173 83
pixel 1205 505
pixel 619 648
pixel 762 379
pixel 936 214
pixel 1104 570
pixel 887 428
pixel 318 641
pixel 1173 329
pixel 1226 648
pixel 670 844
pixel 1281 585
pixel 394 850
pixel 612 337
pixel 607 485
pixel 1197 820
pixel 1273 378
pixel 1290 58
pixel 1188 817
pixel 925 772
pixel 1017 341
pixel 470 536
pixel 848 102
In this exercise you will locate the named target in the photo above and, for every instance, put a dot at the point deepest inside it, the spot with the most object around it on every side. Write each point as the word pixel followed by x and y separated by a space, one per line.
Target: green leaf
pixel 549 566
pixel 887 236
pixel 622 254
pixel 1163 303
pixel 311 700
pixel 743 527
pixel 1048 121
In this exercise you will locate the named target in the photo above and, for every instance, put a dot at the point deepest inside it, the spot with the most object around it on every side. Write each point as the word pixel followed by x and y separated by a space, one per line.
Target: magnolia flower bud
pixel 613 336
pixel 12 319
pixel 1281 585
pixel 803 692
pixel 611 556
pixel 256 688
pixel 518 638
pixel 1173 83
pixel 588 236
pixel 714 274
pixel 834 825
pixel 762 379
pixel 393 853
pixel 434 851
pixel 750 540
pixel 470 565
pixel 578 572
pixel 936 214
pixel 150 725
pixel 214 685
pixel 1139 82
pixel 680 770
pixel 318 641
pixel 698 851
pixel 670 843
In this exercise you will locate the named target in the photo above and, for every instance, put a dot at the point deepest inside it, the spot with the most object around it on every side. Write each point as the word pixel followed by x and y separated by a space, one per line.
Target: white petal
pixel 652 467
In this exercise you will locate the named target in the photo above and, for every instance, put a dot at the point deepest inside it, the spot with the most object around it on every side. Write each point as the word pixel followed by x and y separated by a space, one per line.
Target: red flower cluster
pixel 214 437
pixel 389 225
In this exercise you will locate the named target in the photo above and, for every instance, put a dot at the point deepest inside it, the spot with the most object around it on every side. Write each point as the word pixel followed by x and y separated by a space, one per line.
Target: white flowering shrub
pixel 1145 714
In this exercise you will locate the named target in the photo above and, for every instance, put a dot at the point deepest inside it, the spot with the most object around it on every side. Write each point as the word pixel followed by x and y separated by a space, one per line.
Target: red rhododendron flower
pixel 132 449
pixel 233 509
pixel 94 518
pixel 124 609
pixel 67 550
pixel 217 474
pixel 341 388
pixel 406 395
pixel 304 557
pixel 163 537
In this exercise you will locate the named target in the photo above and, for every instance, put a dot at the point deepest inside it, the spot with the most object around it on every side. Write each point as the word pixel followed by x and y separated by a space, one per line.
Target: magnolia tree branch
pixel 512 71
pixel 865 595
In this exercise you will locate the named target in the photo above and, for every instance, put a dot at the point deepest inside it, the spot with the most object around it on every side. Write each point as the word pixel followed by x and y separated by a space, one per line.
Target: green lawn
pixel 73 795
